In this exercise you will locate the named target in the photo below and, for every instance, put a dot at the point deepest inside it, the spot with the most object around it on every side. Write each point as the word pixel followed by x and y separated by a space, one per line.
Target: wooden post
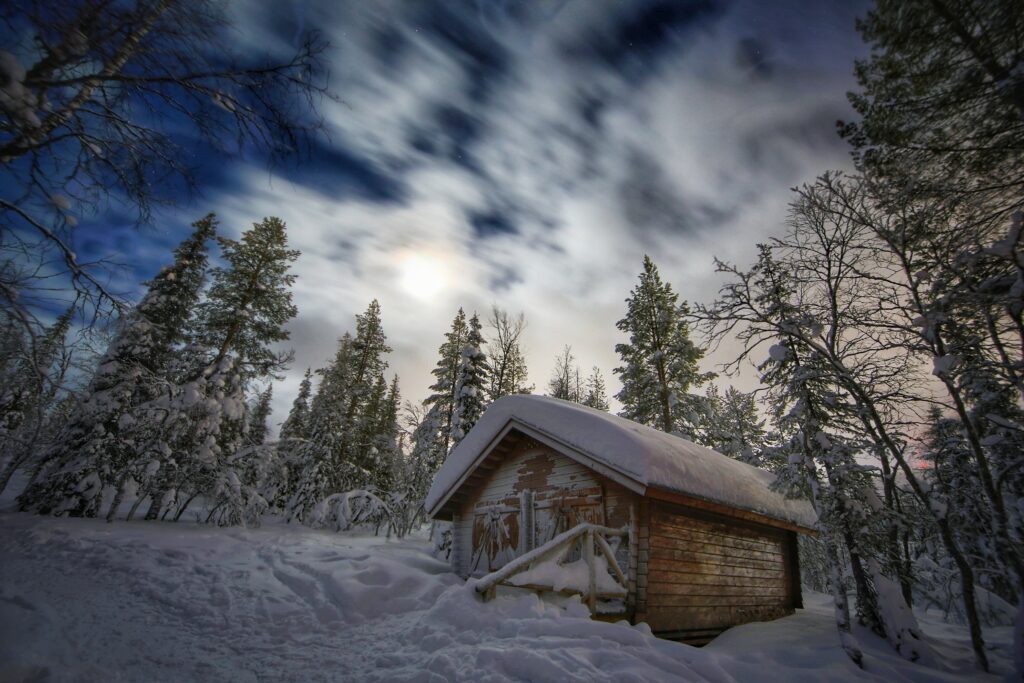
pixel 613 564
pixel 588 552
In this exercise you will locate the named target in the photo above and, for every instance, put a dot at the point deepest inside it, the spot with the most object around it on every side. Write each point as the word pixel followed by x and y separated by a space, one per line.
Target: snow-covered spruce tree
pixel 32 375
pixel 108 434
pixel 802 474
pixel 445 377
pixel 566 382
pixel 387 440
pixel 239 321
pixel 470 384
pixel 951 475
pixel 941 103
pixel 294 433
pixel 315 465
pixel 296 425
pixel 731 425
pixel 596 396
pixel 259 465
pixel 508 365
pixel 431 429
pixel 366 390
pixel 371 455
pixel 659 364
pixel 344 450
pixel 259 413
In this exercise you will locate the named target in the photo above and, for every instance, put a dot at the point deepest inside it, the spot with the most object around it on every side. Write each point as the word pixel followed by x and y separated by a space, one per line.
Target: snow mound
pixel 649 457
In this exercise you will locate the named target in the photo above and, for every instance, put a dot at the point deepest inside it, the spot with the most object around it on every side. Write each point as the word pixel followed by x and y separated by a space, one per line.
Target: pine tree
pixel 366 457
pixel 242 317
pixel 249 301
pixel 294 434
pixel 109 431
pixel 660 361
pixel 384 442
pixel 366 392
pixel 259 413
pixel 596 396
pixel 470 384
pixel 296 425
pixel 446 375
pixel 730 425
pixel 316 470
pixel 941 102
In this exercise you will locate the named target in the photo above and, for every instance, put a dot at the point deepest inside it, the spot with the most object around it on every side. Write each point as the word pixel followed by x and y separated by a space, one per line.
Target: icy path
pixel 81 600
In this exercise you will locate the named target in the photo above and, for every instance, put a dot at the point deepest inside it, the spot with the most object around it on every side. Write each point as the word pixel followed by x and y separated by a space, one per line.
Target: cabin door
pixel 495 538
pixel 502 532
pixel 557 513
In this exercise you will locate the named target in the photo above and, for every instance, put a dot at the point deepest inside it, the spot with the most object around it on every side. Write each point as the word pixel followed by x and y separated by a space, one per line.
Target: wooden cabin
pixel 708 544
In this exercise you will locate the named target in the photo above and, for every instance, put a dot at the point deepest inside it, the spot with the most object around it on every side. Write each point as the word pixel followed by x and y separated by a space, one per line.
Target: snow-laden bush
pixel 350 510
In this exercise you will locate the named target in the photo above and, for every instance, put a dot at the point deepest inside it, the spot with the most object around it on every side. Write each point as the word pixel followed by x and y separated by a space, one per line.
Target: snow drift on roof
pixel 643 454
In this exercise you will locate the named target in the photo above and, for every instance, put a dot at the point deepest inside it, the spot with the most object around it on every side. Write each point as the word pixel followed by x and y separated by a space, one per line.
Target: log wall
pixel 701 572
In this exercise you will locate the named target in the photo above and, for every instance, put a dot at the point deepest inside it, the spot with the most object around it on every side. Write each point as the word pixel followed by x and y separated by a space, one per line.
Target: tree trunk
pixel 184 506
pixel 155 504
pixel 143 493
pixel 118 497
pixel 9 469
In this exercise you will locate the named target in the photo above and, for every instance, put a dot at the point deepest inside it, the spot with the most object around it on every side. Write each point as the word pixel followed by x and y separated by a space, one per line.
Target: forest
pixel 884 320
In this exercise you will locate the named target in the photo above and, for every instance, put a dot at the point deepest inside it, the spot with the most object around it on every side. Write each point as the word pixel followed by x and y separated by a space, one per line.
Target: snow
pixel 573 576
pixel 83 600
pixel 60 201
pixel 943 364
pixel 1006 247
pixel 649 457
pixel 16 100
pixel 778 353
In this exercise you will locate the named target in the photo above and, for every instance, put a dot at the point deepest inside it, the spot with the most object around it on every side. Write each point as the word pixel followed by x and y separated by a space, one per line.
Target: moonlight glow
pixel 421 275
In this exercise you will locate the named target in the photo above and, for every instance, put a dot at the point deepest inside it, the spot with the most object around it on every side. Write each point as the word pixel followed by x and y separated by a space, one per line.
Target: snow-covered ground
pixel 82 600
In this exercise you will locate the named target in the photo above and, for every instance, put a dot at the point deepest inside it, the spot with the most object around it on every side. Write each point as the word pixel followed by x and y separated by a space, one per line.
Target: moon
pixel 422 275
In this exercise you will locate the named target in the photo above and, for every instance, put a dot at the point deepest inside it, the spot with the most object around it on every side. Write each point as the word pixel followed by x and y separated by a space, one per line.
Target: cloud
pixel 530 154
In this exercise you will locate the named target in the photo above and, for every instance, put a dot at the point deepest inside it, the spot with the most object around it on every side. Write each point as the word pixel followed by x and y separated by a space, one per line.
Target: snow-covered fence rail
pixel 541 569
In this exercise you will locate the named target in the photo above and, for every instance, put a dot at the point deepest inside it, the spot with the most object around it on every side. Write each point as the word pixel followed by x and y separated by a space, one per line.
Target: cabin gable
pixel 526 495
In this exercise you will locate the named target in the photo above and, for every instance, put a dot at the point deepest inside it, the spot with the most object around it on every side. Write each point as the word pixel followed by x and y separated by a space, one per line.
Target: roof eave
pixel 689 500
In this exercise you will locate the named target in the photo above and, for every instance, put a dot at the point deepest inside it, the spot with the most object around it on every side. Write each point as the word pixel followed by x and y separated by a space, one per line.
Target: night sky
pixel 526 154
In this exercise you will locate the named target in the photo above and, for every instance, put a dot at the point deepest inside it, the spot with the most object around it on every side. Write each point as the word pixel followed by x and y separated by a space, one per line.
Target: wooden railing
pixel 556 550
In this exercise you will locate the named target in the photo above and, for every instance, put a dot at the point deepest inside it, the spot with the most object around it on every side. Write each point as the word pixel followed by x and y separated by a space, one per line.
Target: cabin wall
pixel 699 571
pixel 488 528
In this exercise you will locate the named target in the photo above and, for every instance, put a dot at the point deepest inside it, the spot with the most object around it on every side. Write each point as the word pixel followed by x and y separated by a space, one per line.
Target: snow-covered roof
pixel 644 456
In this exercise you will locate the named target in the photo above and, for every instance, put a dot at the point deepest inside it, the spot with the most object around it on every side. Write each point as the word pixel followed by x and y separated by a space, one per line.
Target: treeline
pixel 174 415
pixel 165 414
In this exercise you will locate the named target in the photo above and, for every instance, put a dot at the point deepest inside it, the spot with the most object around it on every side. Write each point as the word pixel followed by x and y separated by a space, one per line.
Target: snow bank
pixel 574 576
pixel 643 454
pixel 81 600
